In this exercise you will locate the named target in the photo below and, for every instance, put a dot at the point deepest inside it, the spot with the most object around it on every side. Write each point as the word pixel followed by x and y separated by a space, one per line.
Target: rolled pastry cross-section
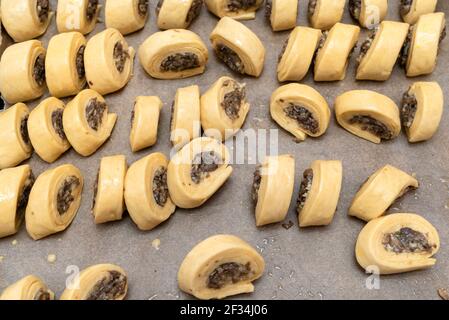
pixel 26 19
pixel 80 15
pixel 224 108
pixel 301 110
pixel 368 115
pixel 108 61
pixel 411 10
pixel 369 13
pixel 146 192
pixel 177 14
pixel 282 14
pixel 28 289
pixel 238 47
pixel 324 14
pixel 297 54
pixel 23 63
pixel 54 201
pixel 127 16
pixel 397 243
pixel 108 201
pixel 87 122
pixel 15 187
pixel 197 172
pixel 46 129
pixel 236 9
pixel 380 51
pixel 319 193
pixel 334 51
pixel 15 145
pixel 145 122
pixel 380 191
pixel 422 109
pixel 272 189
pixel 98 282
pixel 219 267
pixel 173 54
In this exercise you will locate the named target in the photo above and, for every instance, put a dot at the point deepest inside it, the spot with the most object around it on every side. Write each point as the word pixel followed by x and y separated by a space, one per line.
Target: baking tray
pixel 315 263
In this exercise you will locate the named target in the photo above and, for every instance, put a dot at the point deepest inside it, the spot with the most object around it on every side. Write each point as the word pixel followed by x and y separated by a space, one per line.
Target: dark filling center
pixel 304 190
pixel 203 164
pixel 233 100
pixel 42 7
pixel 284 48
pixel 179 62
pixel 94 113
pixel 24 130
pixel 408 110
pixel 373 126
pixel 268 9
pixel 65 196
pixel 406 5
pixel 91 9
pixel 355 6
pixel 236 5
pixel 443 34
pixel 42 295
pixel 312 7
pixel 303 116
pixel 159 6
pixel 403 56
pixel 97 179
pixel 143 7
pixel 120 56
pixel 407 240
pixel 111 287
pixel 194 11
pixel 39 70
pixel 230 58
pixel 22 201
pixel 321 43
pixel 256 185
pixel 366 45
pixel 80 62
pixel 56 121
pixel 160 188
pixel 228 273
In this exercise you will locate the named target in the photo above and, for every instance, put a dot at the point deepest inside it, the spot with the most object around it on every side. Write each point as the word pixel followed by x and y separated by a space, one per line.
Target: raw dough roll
pixel 197 171
pixel 236 9
pixel 87 122
pixel 368 115
pixel 273 179
pixel 145 122
pixel 127 16
pixel 334 51
pixel 219 267
pixel 25 19
pixel 319 193
pixel 224 108
pixel 380 191
pixel 109 204
pixel 64 64
pixel 15 187
pixel 422 109
pixel 324 14
pixel 146 192
pixel 54 201
pixel 173 54
pixel 78 15
pixel 99 282
pixel 297 54
pixel 411 10
pixel 177 14
pixel 397 243
pixel 238 47
pixel 282 14
pixel 108 61
pixel 369 13
pixel 301 110
pixel 23 63
pixel 379 53
pixel 46 130
pixel 15 145
pixel 28 288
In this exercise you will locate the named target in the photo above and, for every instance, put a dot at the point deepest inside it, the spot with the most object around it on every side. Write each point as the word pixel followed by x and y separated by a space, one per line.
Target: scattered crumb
pixel 156 244
pixel 443 293
pixel 51 258
pixel 153 297
pixel 1 258
pixel 14 242
pixel 288 225
pixel 414 174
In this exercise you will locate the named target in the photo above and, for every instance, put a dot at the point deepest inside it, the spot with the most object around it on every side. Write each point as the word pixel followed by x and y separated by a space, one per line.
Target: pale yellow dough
pixel 372 12
pixel 220 9
pixel 145 122
pixel 124 15
pixel 28 288
pixel 283 14
pixel 174 14
pixel 417 9
pixel 72 16
pixel 327 13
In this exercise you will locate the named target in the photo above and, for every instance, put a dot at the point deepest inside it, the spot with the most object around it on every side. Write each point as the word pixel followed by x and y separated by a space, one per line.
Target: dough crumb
pixel 14 242
pixel 443 293
pixel 156 244
pixel 51 258
pixel 1 258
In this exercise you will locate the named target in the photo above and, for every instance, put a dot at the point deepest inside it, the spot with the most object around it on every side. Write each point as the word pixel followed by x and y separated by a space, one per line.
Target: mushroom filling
pixel 366 45
pixel 56 121
pixel 91 9
pixel 179 62
pixel 160 187
pixel 406 6
pixel 97 179
pixel 373 126
pixel 407 240
pixel 284 48
pixel 321 43
pixel 194 11
pixel 120 56
pixel 305 188
pixel 232 101
pixel 405 50
pixel 268 9
pixel 42 7
pixel 311 7
pixel 22 200
pixel 111 287
pixel 443 34
pixel 39 70
pixel 65 196
pixel 236 5
pixel 159 6
pixel 230 58
pixel 303 116
pixel 24 130
pixel 42 295
pixel 80 63
pixel 408 110
pixel 203 164
pixel 228 273
pixel 355 6
pixel 142 7
pixel 256 185
pixel 94 113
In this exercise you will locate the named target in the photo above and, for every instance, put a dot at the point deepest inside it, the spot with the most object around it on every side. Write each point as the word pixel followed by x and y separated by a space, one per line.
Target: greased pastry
pixel 301 110
pixel 25 19
pixel 146 192
pixel 324 14
pixel 108 201
pixel 379 53
pixel 368 13
pixel 99 282
pixel 368 115
pixel 28 288
pixel 272 189
pixel 79 15
pixel 319 193
pixel 397 243
pixel 422 109
pixel 87 122
pixel 224 108
pixel 197 171
pixel 145 122
pixel 334 51
pixel 15 145
pixel 15 187
pixel 238 47
pixel 236 9
pixel 173 54
pixel 177 14
pixel 219 267
pixel 23 63
pixel 108 61
pixel 54 201
pixel 297 54
pixel 127 16
pixel 411 10
pixel 282 14
pixel 380 191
